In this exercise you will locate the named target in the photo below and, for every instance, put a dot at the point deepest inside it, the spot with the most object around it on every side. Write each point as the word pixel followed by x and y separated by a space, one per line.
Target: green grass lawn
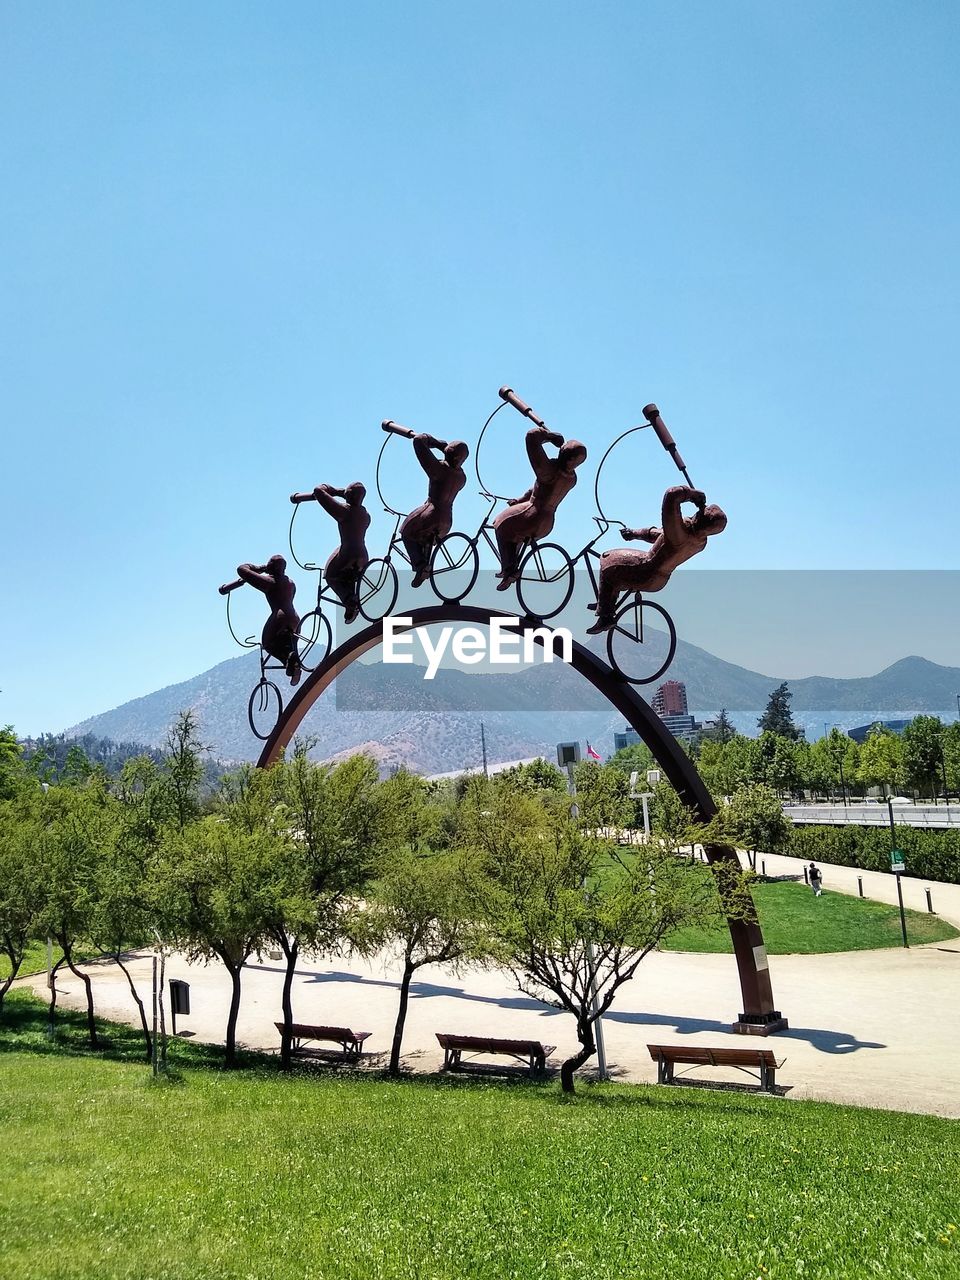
pixel 253 1176
pixel 795 922
pixel 34 961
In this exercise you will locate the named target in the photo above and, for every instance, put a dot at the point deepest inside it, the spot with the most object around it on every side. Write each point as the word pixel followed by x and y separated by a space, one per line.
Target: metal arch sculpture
pixel 759 1016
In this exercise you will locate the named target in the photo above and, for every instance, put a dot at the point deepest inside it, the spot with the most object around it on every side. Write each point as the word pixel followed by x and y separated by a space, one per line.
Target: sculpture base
pixel 760 1024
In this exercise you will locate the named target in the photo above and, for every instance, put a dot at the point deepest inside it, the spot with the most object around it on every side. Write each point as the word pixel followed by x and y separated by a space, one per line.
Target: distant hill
pixel 400 719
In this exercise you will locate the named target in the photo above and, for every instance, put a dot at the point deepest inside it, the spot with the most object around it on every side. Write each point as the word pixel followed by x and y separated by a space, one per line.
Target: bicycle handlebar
pixel 394 428
pixel 297 498
pixel 652 415
pixel 507 394
pixel 230 586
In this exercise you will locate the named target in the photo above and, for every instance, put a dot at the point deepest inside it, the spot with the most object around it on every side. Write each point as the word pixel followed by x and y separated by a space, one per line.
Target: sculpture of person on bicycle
pixel 433 520
pixel 532 515
pixel 279 636
pixel 344 570
pixel 679 539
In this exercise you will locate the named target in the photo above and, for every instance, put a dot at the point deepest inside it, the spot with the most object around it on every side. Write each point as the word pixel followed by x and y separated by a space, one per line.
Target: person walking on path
pixel 815 876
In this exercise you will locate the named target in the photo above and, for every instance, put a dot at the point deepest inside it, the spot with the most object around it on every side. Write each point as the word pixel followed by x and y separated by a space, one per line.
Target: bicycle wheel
pixel 545 583
pixel 378 589
pixel 313 639
pixel 454 566
pixel 264 709
pixel 638 650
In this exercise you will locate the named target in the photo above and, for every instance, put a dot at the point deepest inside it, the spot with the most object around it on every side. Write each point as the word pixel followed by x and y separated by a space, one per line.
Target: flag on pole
pixel 593 755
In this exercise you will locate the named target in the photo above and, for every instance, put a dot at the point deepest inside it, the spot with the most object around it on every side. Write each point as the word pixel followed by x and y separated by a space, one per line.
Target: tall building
pixel 671 699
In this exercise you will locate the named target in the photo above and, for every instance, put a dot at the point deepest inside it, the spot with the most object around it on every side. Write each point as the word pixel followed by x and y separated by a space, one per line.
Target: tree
pixel 21 895
pixel 11 762
pixel 778 717
pixel 75 829
pixel 603 796
pixel 831 762
pixel 569 915
pixel 535 775
pixel 183 768
pixel 724 766
pixel 951 754
pixel 776 761
pixel 881 758
pixel 336 819
pixel 923 755
pixel 721 730
pixel 754 819
pixel 636 757
pixel 420 902
pixel 216 883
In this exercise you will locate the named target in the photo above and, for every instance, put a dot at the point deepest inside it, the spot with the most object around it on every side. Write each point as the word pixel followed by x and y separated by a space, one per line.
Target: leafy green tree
pixel 183 769
pixel 721 730
pixel 754 820
pixel 881 759
pixel 11 762
pixel 569 915
pixel 951 753
pixel 778 718
pixel 637 756
pixel 76 827
pixel 21 892
pixel 603 796
pixel 923 754
pixel 832 763
pixel 421 903
pixel 216 882
pixel 725 766
pixel 337 818
pixel 535 775
pixel 777 762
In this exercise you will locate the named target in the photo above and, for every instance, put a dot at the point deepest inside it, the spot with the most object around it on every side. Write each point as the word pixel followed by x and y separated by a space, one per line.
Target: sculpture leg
pixel 607 595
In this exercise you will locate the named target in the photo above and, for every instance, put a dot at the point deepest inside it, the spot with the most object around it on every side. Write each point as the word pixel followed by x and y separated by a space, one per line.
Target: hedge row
pixel 929 855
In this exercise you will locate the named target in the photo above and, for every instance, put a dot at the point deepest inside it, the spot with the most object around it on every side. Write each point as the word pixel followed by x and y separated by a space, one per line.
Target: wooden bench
pixel 350 1042
pixel 532 1052
pixel 667 1056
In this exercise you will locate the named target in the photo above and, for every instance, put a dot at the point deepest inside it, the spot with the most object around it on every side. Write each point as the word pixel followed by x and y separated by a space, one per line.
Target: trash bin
pixel 179 999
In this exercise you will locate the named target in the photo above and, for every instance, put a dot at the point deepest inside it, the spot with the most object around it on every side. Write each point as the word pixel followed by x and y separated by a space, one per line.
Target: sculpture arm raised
pixel 422 446
pixel 327 496
pixel 543 467
pixel 255 575
pixel 672 515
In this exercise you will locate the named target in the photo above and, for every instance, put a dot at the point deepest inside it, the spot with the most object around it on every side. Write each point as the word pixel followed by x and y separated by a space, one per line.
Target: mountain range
pixel 391 712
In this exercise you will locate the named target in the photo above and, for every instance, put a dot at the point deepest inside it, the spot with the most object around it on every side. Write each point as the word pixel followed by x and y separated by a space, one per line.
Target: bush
pixel 929 855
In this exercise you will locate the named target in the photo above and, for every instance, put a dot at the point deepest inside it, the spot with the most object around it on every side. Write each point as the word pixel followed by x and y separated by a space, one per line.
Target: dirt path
pixel 872 1028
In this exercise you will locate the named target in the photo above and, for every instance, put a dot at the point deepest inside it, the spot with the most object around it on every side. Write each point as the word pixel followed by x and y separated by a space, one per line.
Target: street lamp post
pixel 843 785
pixel 893 850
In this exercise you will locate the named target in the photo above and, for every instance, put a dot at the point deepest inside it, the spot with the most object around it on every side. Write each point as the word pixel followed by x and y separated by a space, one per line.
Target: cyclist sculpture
pixel 641 639
pixel 280 632
pixel 345 567
pixel 532 515
pixel 678 539
pixel 427 524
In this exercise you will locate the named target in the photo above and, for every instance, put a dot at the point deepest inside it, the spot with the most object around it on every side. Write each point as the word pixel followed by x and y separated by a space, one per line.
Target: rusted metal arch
pixel 759 1016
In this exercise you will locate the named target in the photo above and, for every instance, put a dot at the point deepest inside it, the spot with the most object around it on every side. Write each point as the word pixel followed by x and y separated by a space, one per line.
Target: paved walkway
pixel 872 1028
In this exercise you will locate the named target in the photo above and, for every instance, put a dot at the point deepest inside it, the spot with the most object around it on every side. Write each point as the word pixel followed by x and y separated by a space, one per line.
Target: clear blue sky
pixel 236 236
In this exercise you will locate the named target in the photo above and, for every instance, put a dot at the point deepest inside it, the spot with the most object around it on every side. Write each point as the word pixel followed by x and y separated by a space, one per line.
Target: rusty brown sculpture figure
pixel 433 519
pixel 678 539
pixel 532 515
pixel 344 570
pixel 279 637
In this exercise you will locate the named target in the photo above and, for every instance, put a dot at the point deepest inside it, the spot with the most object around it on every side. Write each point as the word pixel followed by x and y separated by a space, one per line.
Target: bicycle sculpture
pixel 542 572
pixel 280 640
